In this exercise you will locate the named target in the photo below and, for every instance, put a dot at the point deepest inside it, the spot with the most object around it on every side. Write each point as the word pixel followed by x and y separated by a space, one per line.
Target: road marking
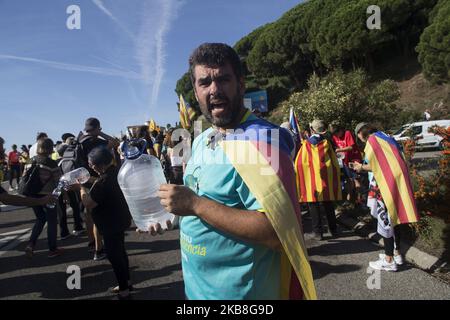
pixel 14 232
pixel 14 243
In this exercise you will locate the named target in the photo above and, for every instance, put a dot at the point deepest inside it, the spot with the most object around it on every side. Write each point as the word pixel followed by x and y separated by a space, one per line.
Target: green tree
pixel 434 45
pixel 346 98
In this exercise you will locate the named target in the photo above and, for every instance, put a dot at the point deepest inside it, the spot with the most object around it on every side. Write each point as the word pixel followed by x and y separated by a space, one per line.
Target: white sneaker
pixel 11 189
pixel 382 264
pixel 398 258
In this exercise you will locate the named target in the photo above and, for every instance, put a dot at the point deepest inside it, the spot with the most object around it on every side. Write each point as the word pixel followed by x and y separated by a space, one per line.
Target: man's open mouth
pixel 218 108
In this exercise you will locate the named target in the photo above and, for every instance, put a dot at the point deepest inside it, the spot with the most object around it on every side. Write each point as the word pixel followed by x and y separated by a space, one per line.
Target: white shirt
pixel 33 150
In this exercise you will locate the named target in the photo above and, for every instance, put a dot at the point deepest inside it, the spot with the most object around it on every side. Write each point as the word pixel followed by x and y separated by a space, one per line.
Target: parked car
pixel 419 131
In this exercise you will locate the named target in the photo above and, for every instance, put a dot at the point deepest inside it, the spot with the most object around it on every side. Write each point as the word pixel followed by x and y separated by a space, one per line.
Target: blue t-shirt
pixel 217 265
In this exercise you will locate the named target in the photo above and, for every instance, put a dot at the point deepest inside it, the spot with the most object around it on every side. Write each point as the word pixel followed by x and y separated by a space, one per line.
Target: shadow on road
pixel 321 269
pixel 337 247
pixel 94 280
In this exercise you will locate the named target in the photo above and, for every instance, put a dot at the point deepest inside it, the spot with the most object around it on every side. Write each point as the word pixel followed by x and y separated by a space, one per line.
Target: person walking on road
pixel 48 174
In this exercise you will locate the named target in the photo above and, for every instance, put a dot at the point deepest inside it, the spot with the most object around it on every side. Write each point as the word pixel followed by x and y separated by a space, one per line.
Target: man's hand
pixel 48 199
pixel 358 167
pixel 179 200
pixel 155 229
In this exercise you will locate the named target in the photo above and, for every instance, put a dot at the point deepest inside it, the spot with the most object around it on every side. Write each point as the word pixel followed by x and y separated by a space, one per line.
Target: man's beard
pixel 229 118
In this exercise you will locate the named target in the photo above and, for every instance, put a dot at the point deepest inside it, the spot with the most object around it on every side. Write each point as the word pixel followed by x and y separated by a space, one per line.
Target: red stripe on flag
pixel 323 172
pixel 301 177
pixel 402 165
pixel 311 170
pixel 389 177
pixel 295 289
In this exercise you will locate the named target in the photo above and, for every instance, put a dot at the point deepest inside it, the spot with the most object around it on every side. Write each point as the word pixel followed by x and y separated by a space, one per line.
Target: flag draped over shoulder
pixel 263 162
pixel 392 177
pixel 318 173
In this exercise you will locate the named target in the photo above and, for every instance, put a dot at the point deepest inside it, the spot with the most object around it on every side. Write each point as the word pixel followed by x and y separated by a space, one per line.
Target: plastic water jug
pixel 140 178
pixel 77 176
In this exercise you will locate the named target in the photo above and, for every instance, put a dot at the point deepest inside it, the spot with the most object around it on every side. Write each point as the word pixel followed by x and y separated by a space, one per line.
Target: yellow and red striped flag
pixel 392 177
pixel 318 173
pixel 184 114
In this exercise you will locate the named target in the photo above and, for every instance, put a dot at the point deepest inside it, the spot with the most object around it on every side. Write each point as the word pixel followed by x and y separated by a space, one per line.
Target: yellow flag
pixel 152 125
pixel 184 116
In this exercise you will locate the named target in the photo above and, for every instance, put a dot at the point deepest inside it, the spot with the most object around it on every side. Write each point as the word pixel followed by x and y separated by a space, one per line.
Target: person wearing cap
pixel 318 178
pixel 94 138
pixel 390 197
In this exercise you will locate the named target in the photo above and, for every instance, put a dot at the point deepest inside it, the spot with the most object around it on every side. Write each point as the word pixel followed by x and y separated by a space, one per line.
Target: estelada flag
pixel 185 114
pixel 271 179
pixel 318 173
pixel 391 174
pixel 152 125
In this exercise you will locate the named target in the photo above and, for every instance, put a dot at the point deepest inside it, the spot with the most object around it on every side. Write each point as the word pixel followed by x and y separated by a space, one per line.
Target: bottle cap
pixel 133 149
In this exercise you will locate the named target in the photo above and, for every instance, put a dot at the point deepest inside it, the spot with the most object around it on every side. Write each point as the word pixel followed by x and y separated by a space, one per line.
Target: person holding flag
pixel 391 198
pixel 240 231
pixel 318 178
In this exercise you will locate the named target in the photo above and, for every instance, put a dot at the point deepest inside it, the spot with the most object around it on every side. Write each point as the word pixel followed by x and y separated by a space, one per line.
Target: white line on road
pixel 14 232
pixel 14 243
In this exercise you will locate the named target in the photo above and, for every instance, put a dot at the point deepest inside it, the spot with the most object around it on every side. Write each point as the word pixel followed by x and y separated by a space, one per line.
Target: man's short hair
pixel 45 147
pixel 100 156
pixel 215 55
pixel 41 135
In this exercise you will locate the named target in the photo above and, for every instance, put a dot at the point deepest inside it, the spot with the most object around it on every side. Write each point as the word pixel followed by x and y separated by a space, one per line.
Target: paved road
pixel 339 267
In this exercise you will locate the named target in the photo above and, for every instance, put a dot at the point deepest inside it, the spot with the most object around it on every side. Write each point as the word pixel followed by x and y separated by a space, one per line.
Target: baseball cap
pixel 91 124
pixel 359 126
pixel 318 126
pixel 65 136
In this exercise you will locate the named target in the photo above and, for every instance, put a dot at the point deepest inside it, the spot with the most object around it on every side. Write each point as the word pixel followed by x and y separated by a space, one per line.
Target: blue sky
pixel 121 67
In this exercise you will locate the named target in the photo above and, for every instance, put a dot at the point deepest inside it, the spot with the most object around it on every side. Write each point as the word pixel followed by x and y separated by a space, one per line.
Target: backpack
pixel 30 184
pixel 74 157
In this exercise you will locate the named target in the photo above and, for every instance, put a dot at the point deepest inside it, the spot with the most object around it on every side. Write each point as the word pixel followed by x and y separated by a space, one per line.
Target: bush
pixel 348 98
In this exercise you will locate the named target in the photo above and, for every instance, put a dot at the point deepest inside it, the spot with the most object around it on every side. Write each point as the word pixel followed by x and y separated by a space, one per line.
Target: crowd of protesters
pixel 226 214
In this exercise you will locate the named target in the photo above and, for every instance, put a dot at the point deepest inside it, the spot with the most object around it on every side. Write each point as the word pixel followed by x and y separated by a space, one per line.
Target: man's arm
pixel 250 226
pixel 15 200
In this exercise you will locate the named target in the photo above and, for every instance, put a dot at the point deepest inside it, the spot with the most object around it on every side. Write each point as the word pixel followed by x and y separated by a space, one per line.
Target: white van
pixel 419 130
